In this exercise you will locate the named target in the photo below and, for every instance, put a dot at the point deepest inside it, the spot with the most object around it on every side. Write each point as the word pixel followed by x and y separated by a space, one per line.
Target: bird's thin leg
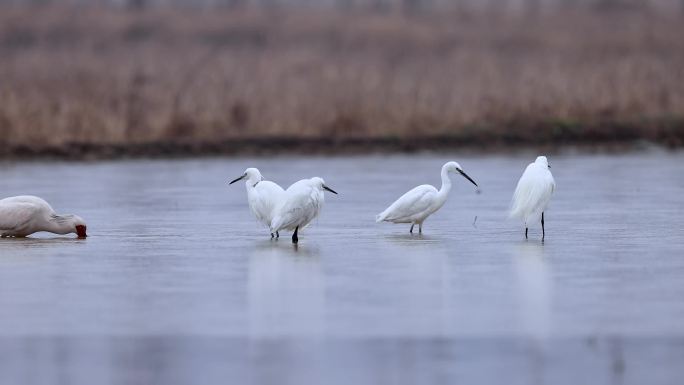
pixel 277 235
pixel 420 228
pixel 411 230
pixel 525 232
pixel 295 238
pixel 543 233
pixel 272 235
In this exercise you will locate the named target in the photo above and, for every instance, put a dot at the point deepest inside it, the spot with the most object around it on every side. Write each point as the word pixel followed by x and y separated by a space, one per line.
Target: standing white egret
pixel 533 193
pixel 262 196
pixel 420 202
pixel 24 215
pixel 302 203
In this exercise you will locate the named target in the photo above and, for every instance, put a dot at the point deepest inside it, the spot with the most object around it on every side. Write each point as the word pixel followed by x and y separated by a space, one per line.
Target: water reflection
pixel 411 239
pixel 41 241
pixel 286 289
pixel 534 288
pixel 419 285
pixel 22 248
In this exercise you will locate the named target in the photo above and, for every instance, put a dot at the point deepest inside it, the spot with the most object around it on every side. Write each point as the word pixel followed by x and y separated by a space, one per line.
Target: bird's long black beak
pixel 329 189
pixel 467 177
pixel 237 179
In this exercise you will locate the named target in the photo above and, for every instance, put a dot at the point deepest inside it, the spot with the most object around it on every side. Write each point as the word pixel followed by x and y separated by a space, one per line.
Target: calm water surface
pixel 177 283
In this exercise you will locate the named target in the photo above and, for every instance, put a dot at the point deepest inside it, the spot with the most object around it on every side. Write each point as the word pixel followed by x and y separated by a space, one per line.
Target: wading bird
pixel 533 193
pixel 301 203
pixel 24 215
pixel 262 196
pixel 419 203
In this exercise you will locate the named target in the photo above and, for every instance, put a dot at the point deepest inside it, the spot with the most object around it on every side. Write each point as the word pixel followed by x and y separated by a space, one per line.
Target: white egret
pixel 420 202
pixel 262 196
pixel 24 215
pixel 301 203
pixel 533 193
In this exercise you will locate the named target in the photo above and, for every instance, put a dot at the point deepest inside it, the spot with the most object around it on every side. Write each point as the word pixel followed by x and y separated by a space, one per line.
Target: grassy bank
pixel 89 80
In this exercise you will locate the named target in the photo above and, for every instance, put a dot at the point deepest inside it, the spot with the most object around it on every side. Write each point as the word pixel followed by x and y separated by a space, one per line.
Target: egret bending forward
pixel 262 196
pixel 302 203
pixel 419 203
pixel 533 193
pixel 24 215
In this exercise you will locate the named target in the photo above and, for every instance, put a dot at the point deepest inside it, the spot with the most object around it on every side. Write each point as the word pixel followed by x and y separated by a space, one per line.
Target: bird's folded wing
pixel 533 191
pixel 414 201
pixel 16 215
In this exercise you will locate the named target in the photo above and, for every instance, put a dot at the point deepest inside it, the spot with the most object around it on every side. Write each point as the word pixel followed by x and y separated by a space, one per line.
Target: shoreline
pixel 316 146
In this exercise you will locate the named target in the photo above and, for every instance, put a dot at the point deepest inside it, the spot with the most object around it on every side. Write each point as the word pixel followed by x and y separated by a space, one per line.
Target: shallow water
pixel 177 283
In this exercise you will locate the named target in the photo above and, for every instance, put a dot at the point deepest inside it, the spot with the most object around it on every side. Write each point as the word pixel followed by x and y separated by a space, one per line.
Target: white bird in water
pixel 533 193
pixel 21 216
pixel 420 202
pixel 262 196
pixel 302 203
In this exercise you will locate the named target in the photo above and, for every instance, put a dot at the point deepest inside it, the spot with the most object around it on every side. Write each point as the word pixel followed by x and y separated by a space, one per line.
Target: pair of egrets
pixel 294 208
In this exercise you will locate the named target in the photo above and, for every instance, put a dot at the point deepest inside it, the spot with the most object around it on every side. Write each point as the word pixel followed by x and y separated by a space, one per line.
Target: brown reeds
pixel 93 76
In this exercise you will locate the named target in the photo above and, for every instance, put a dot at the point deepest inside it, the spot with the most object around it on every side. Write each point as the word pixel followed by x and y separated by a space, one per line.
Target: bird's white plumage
pixel 262 196
pixel 301 204
pixel 420 202
pixel 412 207
pixel 24 215
pixel 533 192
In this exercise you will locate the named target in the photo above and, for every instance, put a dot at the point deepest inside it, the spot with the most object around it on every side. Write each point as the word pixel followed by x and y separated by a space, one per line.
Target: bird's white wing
pixel 415 201
pixel 533 192
pixel 39 203
pixel 263 199
pixel 301 204
pixel 15 215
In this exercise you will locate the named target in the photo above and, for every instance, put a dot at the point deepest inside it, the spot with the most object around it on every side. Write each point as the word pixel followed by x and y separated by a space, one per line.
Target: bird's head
pixel 541 160
pixel 319 183
pixel 79 226
pixel 456 168
pixel 252 175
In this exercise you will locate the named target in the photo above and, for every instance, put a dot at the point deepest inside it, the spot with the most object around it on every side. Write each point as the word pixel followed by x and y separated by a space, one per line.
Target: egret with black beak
pixel 420 202
pixel 262 196
pixel 300 205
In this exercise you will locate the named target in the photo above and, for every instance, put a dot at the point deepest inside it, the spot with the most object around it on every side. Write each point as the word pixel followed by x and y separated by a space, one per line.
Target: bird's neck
pixel 446 185
pixel 251 182
pixel 60 224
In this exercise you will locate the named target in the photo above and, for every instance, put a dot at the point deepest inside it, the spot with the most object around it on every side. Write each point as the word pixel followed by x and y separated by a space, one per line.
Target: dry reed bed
pixel 113 77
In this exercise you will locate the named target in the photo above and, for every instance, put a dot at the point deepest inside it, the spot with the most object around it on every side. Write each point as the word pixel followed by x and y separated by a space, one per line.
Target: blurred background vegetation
pixel 137 75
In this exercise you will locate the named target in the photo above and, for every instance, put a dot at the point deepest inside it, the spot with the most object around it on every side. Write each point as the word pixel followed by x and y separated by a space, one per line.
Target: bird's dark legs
pixel 420 228
pixel 277 235
pixel 543 234
pixel 272 235
pixel 295 238
pixel 411 231
pixel 525 232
